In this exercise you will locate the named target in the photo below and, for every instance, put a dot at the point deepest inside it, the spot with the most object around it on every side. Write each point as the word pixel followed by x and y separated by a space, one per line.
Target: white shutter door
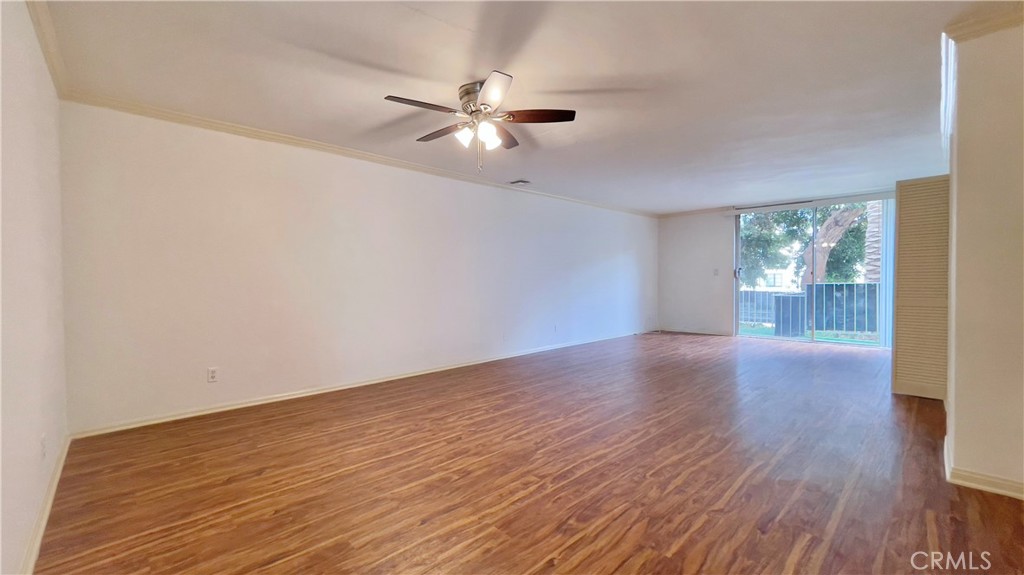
pixel 920 326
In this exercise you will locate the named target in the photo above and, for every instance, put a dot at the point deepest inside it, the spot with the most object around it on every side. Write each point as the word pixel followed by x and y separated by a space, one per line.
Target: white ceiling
pixel 681 106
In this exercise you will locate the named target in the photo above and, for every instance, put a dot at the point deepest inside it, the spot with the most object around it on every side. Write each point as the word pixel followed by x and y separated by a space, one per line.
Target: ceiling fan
pixel 481 118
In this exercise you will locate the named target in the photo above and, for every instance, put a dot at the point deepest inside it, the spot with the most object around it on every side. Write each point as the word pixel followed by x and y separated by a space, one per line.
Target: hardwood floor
pixel 651 454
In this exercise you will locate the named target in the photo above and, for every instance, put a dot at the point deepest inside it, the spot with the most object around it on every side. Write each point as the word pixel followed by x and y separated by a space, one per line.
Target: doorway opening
pixel 821 273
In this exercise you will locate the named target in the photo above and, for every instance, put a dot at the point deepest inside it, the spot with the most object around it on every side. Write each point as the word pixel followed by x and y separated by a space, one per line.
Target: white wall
pixel 692 249
pixel 291 269
pixel 986 423
pixel 33 330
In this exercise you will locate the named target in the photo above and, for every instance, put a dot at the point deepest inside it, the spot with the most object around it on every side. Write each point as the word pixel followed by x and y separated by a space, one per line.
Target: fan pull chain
pixel 479 156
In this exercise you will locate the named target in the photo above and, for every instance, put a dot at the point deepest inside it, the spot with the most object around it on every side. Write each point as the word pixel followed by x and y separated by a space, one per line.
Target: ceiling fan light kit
pixel 465 135
pixel 482 120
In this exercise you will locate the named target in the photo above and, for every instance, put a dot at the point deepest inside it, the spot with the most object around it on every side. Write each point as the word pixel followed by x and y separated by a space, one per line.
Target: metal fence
pixel 844 307
pixel 759 306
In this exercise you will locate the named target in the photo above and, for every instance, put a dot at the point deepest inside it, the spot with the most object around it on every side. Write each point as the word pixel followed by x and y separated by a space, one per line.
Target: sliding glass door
pixel 817 273
pixel 771 272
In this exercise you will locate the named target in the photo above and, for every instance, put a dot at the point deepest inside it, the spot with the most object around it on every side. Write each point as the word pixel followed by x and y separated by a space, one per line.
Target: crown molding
pixel 983 23
pixel 725 211
pixel 269 136
pixel 794 204
pixel 42 21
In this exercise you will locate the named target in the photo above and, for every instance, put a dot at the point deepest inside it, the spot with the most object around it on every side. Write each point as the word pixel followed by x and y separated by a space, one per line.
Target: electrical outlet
pixel 211 375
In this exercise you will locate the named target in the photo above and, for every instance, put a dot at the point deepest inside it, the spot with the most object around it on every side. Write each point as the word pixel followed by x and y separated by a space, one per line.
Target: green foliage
pixel 766 240
pixel 846 259
pixel 773 240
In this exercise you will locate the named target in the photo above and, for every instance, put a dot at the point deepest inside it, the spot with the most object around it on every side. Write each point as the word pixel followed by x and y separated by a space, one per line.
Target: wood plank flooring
pixel 660 453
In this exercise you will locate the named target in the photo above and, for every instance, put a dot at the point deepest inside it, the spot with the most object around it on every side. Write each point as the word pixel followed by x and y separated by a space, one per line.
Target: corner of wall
pixel 32 552
pixel 983 442
pixel 35 426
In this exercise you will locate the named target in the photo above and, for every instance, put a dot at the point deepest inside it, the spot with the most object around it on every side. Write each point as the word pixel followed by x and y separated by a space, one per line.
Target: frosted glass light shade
pixel 488 134
pixel 465 136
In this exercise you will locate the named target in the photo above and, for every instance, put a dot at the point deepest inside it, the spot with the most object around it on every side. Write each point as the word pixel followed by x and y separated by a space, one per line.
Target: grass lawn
pixel 857 338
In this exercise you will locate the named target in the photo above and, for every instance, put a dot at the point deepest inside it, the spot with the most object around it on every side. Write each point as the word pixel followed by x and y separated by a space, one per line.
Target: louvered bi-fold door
pixel 920 321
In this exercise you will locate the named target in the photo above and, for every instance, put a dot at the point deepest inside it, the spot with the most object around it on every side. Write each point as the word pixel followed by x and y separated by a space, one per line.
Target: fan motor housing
pixel 468 94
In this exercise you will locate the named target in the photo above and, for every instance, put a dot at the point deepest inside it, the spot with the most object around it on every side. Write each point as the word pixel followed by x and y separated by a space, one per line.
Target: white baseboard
pixel 318 390
pixel 975 480
pixel 685 331
pixel 986 482
pixel 947 458
pixel 28 564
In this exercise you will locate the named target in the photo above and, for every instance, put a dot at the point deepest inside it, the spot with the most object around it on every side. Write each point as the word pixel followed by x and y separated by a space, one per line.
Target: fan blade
pixel 494 90
pixel 442 132
pixel 508 141
pixel 540 116
pixel 418 104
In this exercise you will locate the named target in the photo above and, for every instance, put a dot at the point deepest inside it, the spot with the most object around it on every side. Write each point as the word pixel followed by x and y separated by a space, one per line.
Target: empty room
pixel 512 287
